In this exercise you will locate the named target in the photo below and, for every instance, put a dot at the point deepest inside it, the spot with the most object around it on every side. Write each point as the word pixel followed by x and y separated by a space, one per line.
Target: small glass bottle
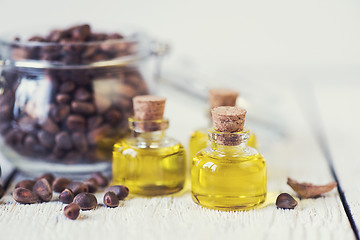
pixel 149 163
pixel 228 175
pixel 217 98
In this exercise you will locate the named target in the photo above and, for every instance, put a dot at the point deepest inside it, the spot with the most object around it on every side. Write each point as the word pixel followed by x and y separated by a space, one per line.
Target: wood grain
pixel 177 217
pixel 340 114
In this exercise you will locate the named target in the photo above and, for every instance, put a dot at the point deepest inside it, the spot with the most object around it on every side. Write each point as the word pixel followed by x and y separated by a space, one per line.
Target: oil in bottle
pixel 228 175
pixel 149 162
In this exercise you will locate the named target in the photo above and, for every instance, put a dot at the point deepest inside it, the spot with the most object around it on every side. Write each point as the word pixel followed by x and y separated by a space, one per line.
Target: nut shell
pixel 111 200
pixel 120 191
pixel 286 201
pixel 43 190
pixel 72 211
pixel 66 196
pixel 86 201
pixel 25 196
pixel 60 184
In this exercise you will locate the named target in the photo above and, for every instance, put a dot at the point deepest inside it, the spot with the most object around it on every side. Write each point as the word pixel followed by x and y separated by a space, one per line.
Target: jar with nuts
pixel 65 97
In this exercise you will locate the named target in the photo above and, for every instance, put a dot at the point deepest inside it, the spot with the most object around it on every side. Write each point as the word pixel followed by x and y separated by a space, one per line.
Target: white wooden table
pixel 326 113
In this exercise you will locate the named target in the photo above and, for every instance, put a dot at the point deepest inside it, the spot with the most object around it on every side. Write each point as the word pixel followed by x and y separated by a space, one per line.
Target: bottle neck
pixel 228 142
pixel 149 130
pixel 209 118
pixel 149 136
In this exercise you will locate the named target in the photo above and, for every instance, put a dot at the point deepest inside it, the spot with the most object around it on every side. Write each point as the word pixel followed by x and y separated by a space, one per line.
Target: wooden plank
pixel 338 105
pixel 177 217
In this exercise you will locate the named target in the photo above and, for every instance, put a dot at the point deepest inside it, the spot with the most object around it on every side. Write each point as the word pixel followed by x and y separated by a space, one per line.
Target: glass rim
pixel 144 45
pixel 243 132
pixel 133 38
pixel 148 125
pixel 229 138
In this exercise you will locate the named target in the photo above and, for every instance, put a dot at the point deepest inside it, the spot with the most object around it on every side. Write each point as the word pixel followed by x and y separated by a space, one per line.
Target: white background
pixel 256 40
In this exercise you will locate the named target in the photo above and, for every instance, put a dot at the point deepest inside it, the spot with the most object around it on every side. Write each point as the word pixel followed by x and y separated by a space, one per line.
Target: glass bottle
pixel 149 162
pixel 199 138
pixel 228 175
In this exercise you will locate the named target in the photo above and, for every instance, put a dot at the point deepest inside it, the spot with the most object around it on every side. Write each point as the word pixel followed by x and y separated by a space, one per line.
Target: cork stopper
pixel 222 97
pixel 148 107
pixel 228 119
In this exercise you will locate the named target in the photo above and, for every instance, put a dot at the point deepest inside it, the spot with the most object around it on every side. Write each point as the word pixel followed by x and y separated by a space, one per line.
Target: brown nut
pixel 111 200
pixel 66 196
pixel 59 113
pixel 77 187
pixel 63 98
pixel 28 184
pixel 60 184
pixel 25 196
pixel 92 185
pixel 72 211
pixel 82 107
pixel 63 140
pixel 100 178
pixel 79 141
pixel 47 176
pixel 120 191
pixel 50 126
pixel 43 190
pixel 86 201
pixel 46 139
pixel 75 123
pixel 286 201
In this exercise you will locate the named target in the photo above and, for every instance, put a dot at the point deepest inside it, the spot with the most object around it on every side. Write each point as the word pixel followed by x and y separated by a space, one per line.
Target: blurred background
pixel 256 40
pixel 262 48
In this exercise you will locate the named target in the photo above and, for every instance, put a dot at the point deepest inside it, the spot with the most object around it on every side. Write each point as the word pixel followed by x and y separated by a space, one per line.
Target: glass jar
pixel 63 105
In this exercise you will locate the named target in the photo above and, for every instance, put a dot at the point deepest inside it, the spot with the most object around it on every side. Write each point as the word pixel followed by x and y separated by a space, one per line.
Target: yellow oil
pixel 199 140
pixel 228 179
pixel 149 170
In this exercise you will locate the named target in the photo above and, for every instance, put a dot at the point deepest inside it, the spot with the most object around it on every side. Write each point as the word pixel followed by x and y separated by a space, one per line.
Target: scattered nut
pixel 28 184
pixel 77 187
pixel 286 201
pixel 100 178
pixel 92 185
pixel 120 191
pixel 43 190
pixel 25 196
pixel 60 184
pixel 86 201
pixel 72 211
pixel 111 200
pixel 66 196
pixel 308 190
pixel 47 176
